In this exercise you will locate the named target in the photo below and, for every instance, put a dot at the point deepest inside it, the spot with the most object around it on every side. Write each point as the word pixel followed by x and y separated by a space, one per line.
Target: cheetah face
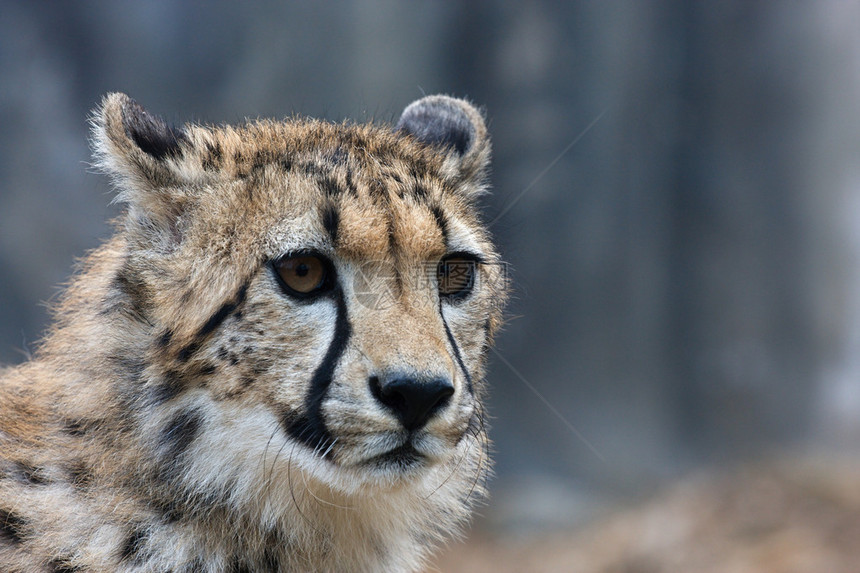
pixel 386 385
pixel 325 295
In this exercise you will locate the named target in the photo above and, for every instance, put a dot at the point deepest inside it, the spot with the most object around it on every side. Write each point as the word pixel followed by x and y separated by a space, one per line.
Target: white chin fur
pixel 426 473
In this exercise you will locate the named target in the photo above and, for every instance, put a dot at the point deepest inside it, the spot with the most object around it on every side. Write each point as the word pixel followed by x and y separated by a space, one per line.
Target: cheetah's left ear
pixel 454 127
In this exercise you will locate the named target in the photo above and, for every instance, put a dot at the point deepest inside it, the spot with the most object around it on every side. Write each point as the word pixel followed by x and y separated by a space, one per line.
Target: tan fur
pixel 159 426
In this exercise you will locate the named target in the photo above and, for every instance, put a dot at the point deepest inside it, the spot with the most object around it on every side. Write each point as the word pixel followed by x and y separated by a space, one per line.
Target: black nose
pixel 413 400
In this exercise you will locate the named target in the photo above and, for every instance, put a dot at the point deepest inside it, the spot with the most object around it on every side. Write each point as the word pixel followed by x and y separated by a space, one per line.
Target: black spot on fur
pixel 330 187
pixel 418 170
pixel 261 366
pixel 151 133
pixel 169 509
pixel 164 339
pixel 171 386
pixel 261 159
pixel 128 295
pixel 339 156
pixel 208 369
pixel 238 567
pixel 227 356
pixel 80 475
pixel 178 434
pixel 11 527
pixel 212 161
pixel 330 221
pixel 78 427
pixel 274 542
pixel 441 221
pixel 212 323
pixel 74 428
pixel 271 561
pixel 420 192
pixel 377 189
pixel 314 170
pixel 310 428
pixel 64 566
pixel 128 368
pixel 188 351
pixel 133 547
pixel 350 183
pixel 186 297
pixel 29 475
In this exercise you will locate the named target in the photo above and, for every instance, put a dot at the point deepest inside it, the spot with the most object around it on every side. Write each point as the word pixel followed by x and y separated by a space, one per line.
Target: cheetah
pixel 276 363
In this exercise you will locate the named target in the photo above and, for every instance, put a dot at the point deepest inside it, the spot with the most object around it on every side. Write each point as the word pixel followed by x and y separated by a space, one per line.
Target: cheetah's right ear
pixel 454 128
pixel 143 155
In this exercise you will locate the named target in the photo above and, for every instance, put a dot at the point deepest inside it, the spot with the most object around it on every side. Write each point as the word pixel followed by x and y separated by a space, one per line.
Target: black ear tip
pixel 440 121
pixel 149 132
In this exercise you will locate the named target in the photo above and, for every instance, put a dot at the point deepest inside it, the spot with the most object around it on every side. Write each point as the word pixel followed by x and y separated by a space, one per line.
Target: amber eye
pixel 303 275
pixel 456 276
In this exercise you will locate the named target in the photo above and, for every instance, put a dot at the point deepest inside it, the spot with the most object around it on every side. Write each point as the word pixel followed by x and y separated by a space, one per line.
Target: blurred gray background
pixel 677 191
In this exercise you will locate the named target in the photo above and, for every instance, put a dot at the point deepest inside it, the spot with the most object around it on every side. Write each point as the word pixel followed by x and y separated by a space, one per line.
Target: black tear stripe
pixel 394 250
pixel 309 429
pixel 330 221
pixel 11 527
pixel 456 350
pixel 213 323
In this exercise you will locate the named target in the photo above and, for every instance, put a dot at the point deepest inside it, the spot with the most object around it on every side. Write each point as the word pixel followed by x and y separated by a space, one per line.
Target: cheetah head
pixel 309 302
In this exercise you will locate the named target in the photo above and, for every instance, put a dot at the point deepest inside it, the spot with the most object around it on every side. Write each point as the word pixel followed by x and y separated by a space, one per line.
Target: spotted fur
pixel 187 413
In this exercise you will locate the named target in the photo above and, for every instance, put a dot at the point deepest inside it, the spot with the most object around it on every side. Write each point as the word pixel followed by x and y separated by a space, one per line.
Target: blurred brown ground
pixel 778 517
